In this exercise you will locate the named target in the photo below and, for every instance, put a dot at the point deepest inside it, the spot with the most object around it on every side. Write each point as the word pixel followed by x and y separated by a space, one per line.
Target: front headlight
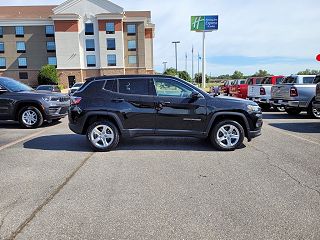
pixel 253 108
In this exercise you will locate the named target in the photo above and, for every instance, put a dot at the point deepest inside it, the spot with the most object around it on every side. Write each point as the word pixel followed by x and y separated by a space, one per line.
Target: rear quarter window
pixel 93 87
pixel 308 80
pixel 111 85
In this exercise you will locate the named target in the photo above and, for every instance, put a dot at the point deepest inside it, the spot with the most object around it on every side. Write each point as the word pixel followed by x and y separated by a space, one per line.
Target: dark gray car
pixel 21 103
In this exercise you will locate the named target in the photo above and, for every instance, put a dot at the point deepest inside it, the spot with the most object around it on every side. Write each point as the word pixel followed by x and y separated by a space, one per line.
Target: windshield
pixel 14 86
pixel 45 88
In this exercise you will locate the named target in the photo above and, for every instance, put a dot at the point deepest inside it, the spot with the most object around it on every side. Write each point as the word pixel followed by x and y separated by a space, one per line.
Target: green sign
pixel 204 23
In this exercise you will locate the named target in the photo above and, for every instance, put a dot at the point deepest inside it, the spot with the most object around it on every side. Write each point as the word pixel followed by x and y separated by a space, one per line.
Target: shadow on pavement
pixel 305 127
pixel 16 125
pixel 285 116
pixel 78 143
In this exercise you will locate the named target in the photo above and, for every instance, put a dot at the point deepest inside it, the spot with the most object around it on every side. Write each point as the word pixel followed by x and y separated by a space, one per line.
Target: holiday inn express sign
pixel 204 23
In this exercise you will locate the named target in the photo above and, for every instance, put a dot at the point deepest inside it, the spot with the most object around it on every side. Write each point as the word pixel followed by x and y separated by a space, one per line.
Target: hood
pixel 42 93
pixel 236 100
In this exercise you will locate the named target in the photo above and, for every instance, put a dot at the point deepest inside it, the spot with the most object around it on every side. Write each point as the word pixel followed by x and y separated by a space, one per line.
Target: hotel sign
pixel 204 23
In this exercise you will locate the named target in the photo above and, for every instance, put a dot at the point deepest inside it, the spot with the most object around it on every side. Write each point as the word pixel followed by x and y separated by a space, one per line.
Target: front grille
pixel 64 99
pixel 53 110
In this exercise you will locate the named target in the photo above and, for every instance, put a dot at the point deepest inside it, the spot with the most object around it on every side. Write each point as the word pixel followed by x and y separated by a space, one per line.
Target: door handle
pixel 165 103
pixel 118 100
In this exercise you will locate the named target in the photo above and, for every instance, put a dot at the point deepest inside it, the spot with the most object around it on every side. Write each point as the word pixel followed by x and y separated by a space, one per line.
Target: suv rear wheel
pixel 30 117
pixel 103 136
pixel 227 135
pixel 313 112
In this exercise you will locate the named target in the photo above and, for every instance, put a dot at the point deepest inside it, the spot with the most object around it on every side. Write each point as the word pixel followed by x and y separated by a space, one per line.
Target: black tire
pixel 313 112
pixel 265 107
pixel 112 129
pixel 30 109
pixel 216 129
pixel 293 111
pixel 279 109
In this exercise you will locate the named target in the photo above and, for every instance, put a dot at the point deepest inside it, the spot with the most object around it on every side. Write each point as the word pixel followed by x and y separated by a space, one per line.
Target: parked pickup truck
pixel 225 88
pixel 239 88
pixel 316 103
pixel 261 93
pixel 296 94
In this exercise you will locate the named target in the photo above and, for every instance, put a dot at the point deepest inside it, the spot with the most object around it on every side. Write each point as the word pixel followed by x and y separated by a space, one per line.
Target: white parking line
pixel 23 139
pixel 294 135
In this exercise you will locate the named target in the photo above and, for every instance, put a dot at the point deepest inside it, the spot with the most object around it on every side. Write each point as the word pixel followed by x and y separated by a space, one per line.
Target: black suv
pixel 108 107
pixel 21 103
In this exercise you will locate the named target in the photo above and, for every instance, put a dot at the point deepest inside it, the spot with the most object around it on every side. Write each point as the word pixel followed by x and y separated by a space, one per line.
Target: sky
pixel 280 36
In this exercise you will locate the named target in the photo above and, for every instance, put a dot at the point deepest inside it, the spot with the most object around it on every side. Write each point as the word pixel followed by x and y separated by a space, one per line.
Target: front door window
pixel 171 88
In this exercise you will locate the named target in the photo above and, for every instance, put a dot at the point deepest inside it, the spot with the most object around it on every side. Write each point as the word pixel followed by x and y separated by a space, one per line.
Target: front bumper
pixel 56 110
pixel 254 134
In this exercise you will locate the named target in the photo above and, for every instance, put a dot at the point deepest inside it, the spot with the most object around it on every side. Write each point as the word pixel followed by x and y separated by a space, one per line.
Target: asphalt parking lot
pixel 52 186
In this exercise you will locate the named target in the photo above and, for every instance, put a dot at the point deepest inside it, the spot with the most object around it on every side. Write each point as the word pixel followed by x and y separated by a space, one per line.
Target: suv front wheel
pixel 103 136
pixel 30 117
pixel 227 135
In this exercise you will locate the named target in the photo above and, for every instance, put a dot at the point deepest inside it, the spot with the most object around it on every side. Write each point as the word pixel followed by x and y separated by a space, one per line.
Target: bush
pixel 48 75
pixel 185 76
pixel 171 72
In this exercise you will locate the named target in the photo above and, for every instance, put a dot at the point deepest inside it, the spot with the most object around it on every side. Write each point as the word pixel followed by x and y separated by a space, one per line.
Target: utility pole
pixel 199 63
pixel 192 73
pixel 164 66
pixel 186 67
pixel 203 60
pixel 176 52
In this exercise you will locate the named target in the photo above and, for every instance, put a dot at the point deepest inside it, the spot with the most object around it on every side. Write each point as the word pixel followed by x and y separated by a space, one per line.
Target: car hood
pixel 42 93
pixel 235 100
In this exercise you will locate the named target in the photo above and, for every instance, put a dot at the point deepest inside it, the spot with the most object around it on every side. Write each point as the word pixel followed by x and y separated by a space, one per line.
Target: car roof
pixel 128 76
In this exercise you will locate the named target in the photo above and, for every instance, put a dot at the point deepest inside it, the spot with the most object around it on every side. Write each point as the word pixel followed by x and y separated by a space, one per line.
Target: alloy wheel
pixel 316 112
pixel 228 135
pixel 29 117
pixel 102 136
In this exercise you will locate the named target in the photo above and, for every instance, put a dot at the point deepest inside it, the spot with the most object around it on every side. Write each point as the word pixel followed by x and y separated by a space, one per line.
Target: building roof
pixel 146 14
pixel 26 12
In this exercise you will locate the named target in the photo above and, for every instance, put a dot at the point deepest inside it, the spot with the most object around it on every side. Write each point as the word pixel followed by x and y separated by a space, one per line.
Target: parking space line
pixel 293 135
pixel 23 139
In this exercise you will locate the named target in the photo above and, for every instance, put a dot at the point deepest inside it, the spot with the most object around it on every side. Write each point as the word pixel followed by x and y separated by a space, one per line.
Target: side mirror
pixel 195 95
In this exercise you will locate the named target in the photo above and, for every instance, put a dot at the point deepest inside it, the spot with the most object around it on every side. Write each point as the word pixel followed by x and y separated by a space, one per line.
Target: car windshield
pixel 44 88
pixel 14 85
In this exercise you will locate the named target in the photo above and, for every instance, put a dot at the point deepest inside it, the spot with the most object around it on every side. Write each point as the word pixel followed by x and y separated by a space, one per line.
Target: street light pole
pixel 176 52
pixel 164 66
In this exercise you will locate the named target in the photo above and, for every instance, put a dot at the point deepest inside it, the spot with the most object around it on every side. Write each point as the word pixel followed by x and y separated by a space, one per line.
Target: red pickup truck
pixel 239 88
pixel 225 88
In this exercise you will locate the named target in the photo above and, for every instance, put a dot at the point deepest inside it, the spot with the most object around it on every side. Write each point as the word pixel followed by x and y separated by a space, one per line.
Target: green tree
pixel 198 78
pixel 48 75
pixel 185 76
pixel 309 72
pixel 261 73
pixel 171 72
pixel 237 75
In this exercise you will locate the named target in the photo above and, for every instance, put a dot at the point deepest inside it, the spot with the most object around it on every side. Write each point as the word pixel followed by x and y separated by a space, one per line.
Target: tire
pixel 279 109
pixel 265 107
pixel 313 112
pixel 110 136
pixel 293 111
pixel 30 117
pixel 227 144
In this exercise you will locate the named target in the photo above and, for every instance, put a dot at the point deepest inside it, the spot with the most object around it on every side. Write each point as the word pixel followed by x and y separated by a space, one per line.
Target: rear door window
pixel 279 80
pixel 242 81
pixel 308 80
pixel 134 86
pixel 290 80
pixel 259 80
pixel 250 81
pixel 111 85
pixel 267 80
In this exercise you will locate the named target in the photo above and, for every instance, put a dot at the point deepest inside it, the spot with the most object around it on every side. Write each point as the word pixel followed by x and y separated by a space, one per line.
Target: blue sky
pixel 282 37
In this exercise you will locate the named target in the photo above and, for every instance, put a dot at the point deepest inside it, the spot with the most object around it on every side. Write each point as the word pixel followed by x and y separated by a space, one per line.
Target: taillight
pixel 75 100
pixel 262 91
pixel 293 92
pixel 239 89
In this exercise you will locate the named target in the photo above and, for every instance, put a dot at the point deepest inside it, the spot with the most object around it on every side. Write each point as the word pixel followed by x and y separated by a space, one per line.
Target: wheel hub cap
pixel 29 117
pixel 316 113
pixel 102 136
pixel 228 136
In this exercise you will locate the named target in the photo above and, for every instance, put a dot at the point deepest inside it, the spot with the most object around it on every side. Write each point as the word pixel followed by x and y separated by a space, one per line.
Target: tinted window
pixel 250 81
pixel 111 85
pixel 171 88
pixel 90 46
pixel 290 80
pixel 242 81
pixel 259 80
pixel 267 81
pixel 279 80
pixel 111 44
pixel 317 79
pixel 14 85
pixel 134 86
pixel 308 79
pixel 45 88
pixel 89 29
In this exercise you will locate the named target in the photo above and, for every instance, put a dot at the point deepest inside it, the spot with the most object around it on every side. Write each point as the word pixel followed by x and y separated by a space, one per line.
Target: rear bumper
pixel 289 103
pixel 261 100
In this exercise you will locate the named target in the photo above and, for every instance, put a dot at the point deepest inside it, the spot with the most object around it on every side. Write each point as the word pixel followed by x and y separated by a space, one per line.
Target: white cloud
pixel 264 28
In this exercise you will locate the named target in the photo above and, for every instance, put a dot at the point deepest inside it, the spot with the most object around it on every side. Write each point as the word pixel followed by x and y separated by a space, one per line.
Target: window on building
pixel 22 62
pixel 132 45
pixel 1 47
pixel 49 30
pixel 91 61
pixel 111 44
pixel 3 63
pixel 131 29
pixel 89 29
pixel 51 46
pixel 132 59
pixel 90 45
pixel 110 28
pixel 1 32
pixel 112 60
pixel 52 61
pixel 19 31
pixel 23 75
pixel 21 47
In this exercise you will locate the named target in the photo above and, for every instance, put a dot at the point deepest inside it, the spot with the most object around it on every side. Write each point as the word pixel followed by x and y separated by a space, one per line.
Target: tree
pixel 48 75
pixel 237 75
pixel 309 72
pixel 261 73
pixel 198 78
pixel 171 72
pixel 185 76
